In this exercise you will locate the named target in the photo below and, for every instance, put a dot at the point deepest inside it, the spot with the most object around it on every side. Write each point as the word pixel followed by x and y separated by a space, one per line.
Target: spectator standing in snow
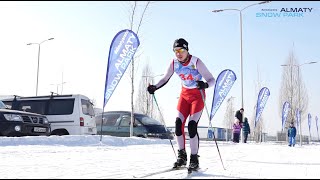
pixel 245 129
pixel 239 115
pixel 292 131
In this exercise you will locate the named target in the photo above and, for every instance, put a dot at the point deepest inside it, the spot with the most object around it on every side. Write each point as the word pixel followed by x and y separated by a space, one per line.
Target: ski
pixel 159 172
pixel 191 171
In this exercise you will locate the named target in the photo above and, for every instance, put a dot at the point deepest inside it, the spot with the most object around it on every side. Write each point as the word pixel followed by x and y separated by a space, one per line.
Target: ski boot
pixel 182 159
pixel 194 163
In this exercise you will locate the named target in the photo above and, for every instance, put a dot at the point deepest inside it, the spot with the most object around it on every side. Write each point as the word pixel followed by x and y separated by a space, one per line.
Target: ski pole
pixel 154 97
pixel 211 127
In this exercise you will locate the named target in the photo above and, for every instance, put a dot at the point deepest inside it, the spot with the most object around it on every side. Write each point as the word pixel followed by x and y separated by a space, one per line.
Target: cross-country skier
pixel 190 69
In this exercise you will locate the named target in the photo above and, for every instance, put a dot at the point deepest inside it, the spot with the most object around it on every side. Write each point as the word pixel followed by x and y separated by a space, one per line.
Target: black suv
pixel 117 123
pixel 20 123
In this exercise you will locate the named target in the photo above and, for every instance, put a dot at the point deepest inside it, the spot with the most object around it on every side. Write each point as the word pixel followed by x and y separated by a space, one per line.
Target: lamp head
pixel 264 2
pixel 219 10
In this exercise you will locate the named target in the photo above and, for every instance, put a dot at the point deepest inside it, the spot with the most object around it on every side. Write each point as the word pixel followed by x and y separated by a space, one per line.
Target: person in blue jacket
pixel 292 131
pixel 245 129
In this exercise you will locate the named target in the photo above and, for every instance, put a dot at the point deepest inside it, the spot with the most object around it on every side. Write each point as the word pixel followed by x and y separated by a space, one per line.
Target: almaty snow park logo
pixel 284 12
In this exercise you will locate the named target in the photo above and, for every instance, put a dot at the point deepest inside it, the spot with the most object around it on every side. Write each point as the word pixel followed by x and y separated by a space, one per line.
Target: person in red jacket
pixel 190 69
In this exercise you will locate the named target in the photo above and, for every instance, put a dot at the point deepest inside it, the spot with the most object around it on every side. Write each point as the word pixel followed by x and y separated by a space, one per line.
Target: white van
pixel 67 114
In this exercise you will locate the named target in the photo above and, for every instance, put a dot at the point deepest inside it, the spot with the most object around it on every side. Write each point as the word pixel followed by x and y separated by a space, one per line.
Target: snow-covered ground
pixel 82 157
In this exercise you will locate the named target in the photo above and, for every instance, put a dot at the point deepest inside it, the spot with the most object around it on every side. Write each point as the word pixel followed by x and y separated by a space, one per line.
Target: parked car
pixel 70 114
pixel 20 123
pixel 117 123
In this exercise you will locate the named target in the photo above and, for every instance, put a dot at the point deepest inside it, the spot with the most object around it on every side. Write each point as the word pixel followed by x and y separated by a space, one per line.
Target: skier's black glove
pixel 202 85
pixel 151 89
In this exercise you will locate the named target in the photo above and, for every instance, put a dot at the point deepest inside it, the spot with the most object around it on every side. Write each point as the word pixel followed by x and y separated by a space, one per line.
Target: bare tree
pixel 293 90
pixel 134 10
pixel 258 130
pixel 144 101
pixel 229 114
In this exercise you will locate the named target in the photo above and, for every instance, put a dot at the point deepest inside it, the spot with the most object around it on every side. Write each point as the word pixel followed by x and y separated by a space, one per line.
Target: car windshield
pixel 2 105
pixel 146 120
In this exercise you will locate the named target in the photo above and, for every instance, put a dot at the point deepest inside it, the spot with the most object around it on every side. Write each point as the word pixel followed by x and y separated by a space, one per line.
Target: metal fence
pixel 224 134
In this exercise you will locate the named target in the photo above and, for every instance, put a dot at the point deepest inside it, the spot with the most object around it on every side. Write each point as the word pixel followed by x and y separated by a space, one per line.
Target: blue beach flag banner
pixel 298 117
pixel 317 124
pixel 309 122
pixel 262 100
pixel 222 87
pixel 285 110
pixel 122 49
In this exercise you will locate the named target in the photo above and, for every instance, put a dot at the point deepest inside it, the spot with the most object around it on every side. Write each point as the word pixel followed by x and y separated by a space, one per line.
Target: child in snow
pixel 236 131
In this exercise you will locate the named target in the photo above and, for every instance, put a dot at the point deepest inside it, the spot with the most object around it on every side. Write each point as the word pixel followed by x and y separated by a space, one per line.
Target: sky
pixel 77 56
pixel 86 157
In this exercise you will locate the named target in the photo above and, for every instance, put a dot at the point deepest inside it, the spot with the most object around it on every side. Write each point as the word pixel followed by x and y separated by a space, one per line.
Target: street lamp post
pixel 58 86
pixel 241 54
pixel 39 61
pixel 312 62
pixel 62 86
